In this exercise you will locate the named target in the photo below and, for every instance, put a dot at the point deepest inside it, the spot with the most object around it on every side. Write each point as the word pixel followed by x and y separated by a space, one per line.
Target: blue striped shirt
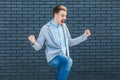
pixel 59 36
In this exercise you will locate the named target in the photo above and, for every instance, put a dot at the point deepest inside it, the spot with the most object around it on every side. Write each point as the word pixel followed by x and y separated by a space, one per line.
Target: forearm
pixel 76 41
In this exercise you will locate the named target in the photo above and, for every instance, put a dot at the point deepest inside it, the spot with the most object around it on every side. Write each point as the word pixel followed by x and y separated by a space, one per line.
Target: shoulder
pixel 46 26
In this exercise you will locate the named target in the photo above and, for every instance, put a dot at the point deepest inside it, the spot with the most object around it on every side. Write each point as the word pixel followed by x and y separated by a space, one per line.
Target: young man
pixel 57 39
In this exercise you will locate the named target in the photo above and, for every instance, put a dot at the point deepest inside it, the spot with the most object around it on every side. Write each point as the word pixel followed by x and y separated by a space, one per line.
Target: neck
pixel 55 20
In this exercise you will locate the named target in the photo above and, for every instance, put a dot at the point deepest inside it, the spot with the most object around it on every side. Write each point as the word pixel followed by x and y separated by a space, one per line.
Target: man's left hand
pixel 87 33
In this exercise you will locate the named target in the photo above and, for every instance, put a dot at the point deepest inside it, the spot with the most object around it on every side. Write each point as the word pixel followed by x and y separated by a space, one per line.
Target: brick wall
pixel 98 58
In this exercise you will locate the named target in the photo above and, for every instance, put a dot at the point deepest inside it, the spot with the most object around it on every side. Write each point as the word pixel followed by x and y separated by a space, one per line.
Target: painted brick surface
pixel 98 58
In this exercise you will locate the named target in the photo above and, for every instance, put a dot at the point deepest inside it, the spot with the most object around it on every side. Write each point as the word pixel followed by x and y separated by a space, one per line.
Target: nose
pixel 65 17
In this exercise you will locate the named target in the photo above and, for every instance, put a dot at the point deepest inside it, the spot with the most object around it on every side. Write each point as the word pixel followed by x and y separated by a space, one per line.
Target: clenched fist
pixel 87 33
pixel 32 39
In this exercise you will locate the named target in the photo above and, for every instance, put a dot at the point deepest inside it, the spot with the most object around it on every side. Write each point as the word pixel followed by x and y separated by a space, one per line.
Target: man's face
pixel 61 17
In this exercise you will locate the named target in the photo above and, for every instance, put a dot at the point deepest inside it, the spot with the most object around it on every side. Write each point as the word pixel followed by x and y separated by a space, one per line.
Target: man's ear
pixel 55 14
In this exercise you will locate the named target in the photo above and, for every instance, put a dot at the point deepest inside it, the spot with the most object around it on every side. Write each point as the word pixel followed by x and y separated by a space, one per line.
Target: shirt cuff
pixel 85 37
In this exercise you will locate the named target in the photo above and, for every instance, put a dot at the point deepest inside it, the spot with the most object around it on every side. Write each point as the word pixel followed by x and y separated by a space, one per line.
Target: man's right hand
pixel 32 39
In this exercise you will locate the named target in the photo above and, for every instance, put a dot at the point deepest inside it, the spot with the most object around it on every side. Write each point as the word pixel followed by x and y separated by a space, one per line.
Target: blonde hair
pixel 58 8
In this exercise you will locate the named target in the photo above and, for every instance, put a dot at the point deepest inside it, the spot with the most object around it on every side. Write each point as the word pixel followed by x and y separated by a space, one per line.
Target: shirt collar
pixel 54 24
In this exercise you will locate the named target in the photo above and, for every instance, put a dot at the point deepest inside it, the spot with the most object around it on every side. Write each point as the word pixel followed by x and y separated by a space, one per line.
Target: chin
pixel 61 24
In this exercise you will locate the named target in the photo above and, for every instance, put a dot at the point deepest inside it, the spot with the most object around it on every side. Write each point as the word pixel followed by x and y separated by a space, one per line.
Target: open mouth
pixel 62 21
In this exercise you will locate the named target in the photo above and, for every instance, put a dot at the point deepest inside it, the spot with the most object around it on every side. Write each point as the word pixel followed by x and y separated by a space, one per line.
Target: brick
pixel 95 59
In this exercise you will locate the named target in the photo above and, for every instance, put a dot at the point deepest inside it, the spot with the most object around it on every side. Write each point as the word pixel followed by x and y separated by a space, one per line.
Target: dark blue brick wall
pixel 98 58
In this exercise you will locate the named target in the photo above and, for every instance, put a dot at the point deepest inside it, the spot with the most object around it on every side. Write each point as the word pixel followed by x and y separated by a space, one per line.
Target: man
pixel 57 39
